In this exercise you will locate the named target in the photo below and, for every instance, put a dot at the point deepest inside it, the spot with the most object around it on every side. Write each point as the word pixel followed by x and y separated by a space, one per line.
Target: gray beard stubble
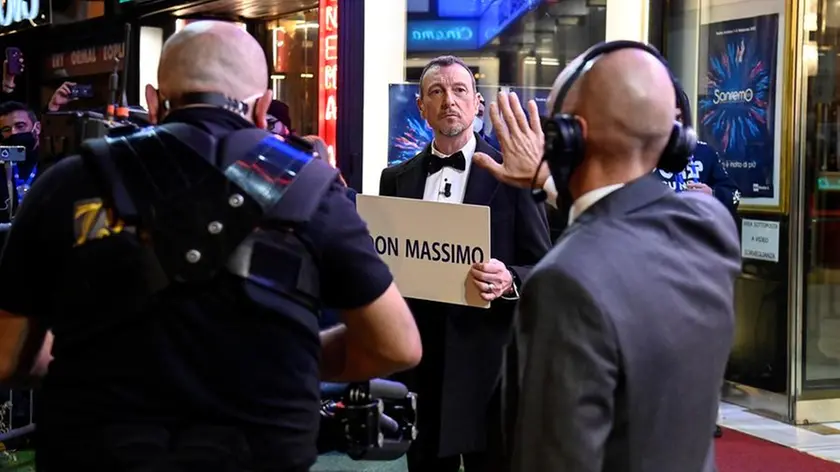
pixel 453 131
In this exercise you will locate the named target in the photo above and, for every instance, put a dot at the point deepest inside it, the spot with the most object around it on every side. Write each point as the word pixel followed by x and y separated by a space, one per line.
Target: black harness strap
pixel 167 182
pixel 98 153
pixel 272 158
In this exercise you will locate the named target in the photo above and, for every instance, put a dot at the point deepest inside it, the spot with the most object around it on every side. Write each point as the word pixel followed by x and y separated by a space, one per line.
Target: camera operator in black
pixel 204 372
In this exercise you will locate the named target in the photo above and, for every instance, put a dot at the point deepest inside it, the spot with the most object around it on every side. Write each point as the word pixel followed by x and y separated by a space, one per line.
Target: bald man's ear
pixel 584 127
pixel 261 110
pixel 152 103
pixel 420 107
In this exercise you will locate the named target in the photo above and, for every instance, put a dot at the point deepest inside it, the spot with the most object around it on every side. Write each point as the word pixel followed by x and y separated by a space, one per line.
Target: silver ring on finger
pixel 490 288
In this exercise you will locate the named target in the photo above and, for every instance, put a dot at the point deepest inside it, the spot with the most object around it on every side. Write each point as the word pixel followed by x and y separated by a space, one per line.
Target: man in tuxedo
pixel 621 369
pixel 459 377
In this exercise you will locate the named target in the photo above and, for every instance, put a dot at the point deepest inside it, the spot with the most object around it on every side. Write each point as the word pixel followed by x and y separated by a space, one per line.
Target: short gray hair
pixel 446 61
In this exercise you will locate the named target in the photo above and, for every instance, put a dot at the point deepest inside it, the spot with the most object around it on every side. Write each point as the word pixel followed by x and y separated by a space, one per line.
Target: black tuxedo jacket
pixel 463 347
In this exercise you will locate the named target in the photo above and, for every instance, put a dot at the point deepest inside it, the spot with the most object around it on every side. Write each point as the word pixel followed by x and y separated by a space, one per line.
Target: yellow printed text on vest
pixel 92 221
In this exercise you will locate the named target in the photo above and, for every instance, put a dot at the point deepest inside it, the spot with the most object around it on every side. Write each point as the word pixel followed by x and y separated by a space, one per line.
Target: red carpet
pixel 738 452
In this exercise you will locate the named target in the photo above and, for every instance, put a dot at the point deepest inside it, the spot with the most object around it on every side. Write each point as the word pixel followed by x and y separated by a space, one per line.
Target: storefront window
pixel 730 58
pixel 294 61
pixel 524 48
pixel 821 345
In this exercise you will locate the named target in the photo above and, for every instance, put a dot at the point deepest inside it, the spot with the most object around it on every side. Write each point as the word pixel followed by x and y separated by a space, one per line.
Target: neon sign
pixel 328 74
pixel 442 35
pixel 16 11
pixel 479 23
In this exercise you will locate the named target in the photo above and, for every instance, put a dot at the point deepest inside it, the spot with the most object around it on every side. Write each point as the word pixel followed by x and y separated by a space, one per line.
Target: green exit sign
pixel 828 182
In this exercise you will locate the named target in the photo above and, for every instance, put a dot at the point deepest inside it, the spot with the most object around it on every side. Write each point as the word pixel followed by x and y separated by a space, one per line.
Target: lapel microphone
pixel 447 190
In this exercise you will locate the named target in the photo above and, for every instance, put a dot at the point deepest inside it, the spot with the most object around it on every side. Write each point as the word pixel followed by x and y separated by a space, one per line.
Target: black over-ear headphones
pixel 564 140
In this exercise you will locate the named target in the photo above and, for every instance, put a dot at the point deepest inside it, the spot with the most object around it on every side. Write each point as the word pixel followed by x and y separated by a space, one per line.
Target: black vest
pixel 175 218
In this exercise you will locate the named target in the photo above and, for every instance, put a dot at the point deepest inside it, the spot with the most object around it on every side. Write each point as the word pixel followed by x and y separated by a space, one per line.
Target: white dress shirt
pixel 590 198
pixel 456 179
pixel 583 202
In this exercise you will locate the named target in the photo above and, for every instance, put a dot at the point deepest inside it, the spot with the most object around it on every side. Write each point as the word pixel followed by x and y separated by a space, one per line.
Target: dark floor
pixel 24 462
pixel 337 463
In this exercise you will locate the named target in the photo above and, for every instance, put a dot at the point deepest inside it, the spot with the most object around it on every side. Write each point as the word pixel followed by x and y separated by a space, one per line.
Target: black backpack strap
pixel 190 209
pixel 311 185
pixel 186 210
pixel 144 169
pixel 289 183
pixel 274 170
pixel 97 154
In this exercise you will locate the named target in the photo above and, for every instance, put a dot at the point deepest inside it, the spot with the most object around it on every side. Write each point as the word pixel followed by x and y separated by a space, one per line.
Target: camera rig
pixel 374 421
pixel 62 133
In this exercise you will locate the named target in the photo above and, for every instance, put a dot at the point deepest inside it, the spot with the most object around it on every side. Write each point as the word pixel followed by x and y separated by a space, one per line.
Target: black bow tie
pixel 455 161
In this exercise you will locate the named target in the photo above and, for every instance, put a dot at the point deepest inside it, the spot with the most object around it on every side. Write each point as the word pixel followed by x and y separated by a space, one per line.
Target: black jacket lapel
pixel 481 185
pixel 411 180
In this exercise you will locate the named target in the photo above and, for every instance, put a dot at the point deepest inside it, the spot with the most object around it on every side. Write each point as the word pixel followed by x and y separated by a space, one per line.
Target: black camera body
pixel 374 421
pixel 62 133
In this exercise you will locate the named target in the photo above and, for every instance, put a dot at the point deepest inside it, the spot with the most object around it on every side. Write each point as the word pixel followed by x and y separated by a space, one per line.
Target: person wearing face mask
pixel 19 126
pixel 625 327
pixel 180 270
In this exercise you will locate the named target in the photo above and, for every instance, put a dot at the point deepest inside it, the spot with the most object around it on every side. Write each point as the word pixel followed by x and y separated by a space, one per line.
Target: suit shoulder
pixel 483 146
pixel 704 205
pixel 566 268
pixel 396 169
pixel 707 212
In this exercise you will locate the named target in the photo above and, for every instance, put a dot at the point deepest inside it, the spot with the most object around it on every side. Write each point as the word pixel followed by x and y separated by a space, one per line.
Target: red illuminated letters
pixel 328 68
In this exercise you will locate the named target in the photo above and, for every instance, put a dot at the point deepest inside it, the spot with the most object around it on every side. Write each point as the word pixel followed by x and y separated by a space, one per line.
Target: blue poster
pixel 408 132
pixel 737 106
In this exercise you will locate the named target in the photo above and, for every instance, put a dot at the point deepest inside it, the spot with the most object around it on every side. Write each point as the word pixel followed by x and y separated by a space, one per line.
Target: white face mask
pixel 478 124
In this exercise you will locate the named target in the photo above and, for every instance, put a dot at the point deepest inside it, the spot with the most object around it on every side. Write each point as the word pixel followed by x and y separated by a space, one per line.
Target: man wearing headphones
pixel 624 334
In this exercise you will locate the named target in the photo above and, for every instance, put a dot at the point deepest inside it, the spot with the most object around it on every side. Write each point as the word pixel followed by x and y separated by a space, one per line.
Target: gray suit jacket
pixel 625 328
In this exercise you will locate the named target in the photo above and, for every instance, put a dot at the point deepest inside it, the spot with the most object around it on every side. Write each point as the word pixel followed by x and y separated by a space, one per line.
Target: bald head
pixel 212 56
pixel 626 103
